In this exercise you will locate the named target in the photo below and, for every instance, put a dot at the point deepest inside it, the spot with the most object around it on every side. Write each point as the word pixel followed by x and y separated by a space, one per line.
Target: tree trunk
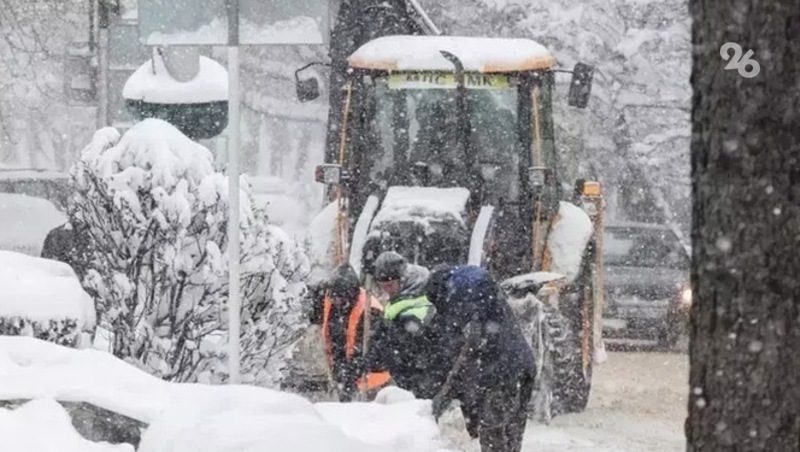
pixel 745 334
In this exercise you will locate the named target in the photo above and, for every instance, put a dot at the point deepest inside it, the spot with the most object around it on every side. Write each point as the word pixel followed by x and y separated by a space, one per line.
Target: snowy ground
pixel 638 404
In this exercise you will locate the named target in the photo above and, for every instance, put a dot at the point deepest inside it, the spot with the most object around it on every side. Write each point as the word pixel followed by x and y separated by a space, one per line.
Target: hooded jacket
pixel 469 303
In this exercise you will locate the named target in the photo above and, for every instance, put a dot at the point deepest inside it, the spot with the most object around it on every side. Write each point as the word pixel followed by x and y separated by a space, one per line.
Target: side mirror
pixel 581 86
pixel 307 90
pixel 329 174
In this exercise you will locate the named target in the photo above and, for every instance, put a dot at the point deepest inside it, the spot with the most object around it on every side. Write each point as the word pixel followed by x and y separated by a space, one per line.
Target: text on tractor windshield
pixel 447 80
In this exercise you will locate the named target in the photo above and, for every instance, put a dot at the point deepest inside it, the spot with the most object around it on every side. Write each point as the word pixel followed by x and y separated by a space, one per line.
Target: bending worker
pixel 493 372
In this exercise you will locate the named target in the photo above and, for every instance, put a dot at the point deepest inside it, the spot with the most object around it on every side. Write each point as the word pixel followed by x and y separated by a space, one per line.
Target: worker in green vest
pixel 405 341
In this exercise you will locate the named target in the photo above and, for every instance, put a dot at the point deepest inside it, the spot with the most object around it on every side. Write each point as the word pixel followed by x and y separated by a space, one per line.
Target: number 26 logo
pixel 745 65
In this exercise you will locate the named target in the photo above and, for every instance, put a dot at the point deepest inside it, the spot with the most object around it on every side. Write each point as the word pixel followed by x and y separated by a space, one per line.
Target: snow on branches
pixel 155 211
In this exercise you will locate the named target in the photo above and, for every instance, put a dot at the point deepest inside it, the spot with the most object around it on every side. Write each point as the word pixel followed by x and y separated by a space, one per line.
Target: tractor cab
pixel 445 114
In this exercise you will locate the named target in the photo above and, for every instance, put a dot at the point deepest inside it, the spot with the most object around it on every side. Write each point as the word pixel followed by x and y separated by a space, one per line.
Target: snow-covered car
pixel 116 402
pixel 32 203
pixel 647 283
pixel 44 299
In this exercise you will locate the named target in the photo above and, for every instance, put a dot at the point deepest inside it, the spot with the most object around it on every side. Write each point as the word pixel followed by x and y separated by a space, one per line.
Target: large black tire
pixel 571 384
pixel 573 381
pixel 560 387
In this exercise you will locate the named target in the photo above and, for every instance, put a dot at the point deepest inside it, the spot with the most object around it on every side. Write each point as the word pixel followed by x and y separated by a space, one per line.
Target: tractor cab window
pixel 417 126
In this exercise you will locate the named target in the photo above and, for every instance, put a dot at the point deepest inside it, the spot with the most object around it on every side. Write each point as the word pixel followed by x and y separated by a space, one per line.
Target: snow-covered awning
pixel 153 84
pixel 422 53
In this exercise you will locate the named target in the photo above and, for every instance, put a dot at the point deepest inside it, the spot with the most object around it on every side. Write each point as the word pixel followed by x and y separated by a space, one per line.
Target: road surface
pixel 638 404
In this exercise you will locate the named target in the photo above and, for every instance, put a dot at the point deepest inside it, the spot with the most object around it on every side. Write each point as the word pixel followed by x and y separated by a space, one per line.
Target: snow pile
pixel 32 369
pixel 25 222
pixel 42 298
pixel 422 53
pixel 42 289
pixel 199 418
pixel 568 239
pixel 159 263
pixel 153 84
pixel 422 205
pixel 44 426
pixel 401 423
pixel 244 419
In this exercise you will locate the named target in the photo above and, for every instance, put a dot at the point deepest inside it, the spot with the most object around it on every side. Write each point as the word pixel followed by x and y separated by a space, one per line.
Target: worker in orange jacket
pixel 343 307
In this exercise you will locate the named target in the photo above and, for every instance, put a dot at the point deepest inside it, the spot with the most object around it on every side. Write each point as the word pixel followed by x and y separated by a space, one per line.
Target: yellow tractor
pixel 446 153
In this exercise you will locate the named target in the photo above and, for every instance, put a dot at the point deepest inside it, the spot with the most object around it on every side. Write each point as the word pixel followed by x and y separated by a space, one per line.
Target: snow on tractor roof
pixel 422 53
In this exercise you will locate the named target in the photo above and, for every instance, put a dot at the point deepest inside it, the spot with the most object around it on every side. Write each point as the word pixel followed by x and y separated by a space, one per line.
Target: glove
pixel 439 405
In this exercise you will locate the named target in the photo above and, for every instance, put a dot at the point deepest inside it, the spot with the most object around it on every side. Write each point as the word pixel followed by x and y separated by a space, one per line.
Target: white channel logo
pixel 744 64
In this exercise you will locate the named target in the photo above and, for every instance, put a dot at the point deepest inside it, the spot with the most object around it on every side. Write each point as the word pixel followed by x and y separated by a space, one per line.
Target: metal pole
pixel 102 64
pixel 234 299
pixel 425 17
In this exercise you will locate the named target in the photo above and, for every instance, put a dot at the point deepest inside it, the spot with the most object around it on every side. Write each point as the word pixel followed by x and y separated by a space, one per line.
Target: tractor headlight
pixel 686 296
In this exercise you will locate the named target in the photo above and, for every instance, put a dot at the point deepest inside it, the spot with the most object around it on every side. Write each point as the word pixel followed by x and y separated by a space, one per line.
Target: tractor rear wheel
pixel 571 395
pixel 571 382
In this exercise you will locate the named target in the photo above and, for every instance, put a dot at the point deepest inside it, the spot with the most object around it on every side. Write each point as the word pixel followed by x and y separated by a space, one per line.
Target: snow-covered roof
pixel 152 83
pixel 422 53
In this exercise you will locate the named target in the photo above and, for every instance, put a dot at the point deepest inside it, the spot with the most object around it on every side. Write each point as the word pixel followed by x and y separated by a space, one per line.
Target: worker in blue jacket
pixel 492 371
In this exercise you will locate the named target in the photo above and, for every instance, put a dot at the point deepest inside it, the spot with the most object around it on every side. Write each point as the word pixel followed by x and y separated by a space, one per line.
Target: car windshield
pixel 416 122
pixel 643 247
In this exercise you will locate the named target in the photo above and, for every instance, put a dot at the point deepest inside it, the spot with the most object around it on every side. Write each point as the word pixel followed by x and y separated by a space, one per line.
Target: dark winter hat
pixel 344 282
pixel 390 266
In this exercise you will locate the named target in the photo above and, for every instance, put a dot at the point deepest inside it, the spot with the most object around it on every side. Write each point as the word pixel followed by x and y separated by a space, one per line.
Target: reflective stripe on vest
pixel 417 307
pixel 356 316
pixel 374 380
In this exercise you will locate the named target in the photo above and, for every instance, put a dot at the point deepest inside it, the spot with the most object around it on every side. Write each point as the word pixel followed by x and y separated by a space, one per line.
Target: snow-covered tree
pixel 155 211
pixel 38 128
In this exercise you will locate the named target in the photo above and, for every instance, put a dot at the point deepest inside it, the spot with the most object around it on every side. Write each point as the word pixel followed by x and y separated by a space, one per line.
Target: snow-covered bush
pixel 156 213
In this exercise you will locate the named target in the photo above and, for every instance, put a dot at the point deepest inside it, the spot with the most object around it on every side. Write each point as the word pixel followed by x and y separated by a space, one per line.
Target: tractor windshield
pixel 416 125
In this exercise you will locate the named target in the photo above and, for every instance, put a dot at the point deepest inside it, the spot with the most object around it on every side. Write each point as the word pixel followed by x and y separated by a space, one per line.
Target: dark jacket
pixel 69 245
pixel 405 341
pixel 469 302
